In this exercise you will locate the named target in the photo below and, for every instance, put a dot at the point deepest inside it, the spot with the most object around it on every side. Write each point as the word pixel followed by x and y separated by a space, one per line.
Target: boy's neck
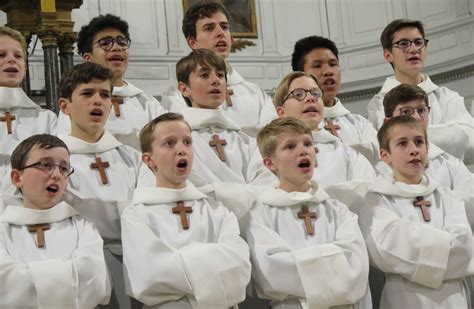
pixel 86 137
pixel 118 82
pixel 413 80
pixel 409 180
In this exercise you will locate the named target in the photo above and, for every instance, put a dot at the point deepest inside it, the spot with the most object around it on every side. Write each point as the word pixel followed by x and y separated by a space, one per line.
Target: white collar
pixel 13 98
pixel 279 198
pixel 337 110
pixel 156 195
pixel 386 184
pixel 324 137
pixel 201 117
pixel 26 216
pixel 128 90
pixel 76 145
pixel 434 151
pixel 233 77
pixel 427 85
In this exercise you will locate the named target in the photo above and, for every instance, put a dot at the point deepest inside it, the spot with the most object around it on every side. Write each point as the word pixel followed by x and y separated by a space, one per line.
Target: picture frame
pixel 242 21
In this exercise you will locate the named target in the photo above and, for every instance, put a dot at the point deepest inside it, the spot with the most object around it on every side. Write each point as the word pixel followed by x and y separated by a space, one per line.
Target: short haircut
pixel 200 10
pixel 146 133
pixel 386 38
pixel 306 45
pixel 42 141
pixel 269 135
pixel 383 135
pixel 203 57
pixel 99 23
pixel 284 86
pixel 17 36
pixel 403 93
pixel 82 73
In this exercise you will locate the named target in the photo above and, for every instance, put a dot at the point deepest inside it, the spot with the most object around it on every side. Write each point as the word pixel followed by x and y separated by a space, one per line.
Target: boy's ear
pixel 15 176
pixel 184 89
pixel 280 111
pixel 268 162
pixel 146 158
pixel 87 56
pixel 386 119
pixel 385 156
pixel 63 105
pixel 388 55
pixel 192 42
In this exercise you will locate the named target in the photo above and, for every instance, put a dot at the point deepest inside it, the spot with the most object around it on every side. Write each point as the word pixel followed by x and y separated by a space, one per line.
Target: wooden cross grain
pixel 116 101
pixel 423 204
pixel 182 211
pixel 228 98
pixel 306 215
pixel 101 166
pixel 332 127
pixel 39 230
pixel 316 150
pixel 8 118
pixel 218 143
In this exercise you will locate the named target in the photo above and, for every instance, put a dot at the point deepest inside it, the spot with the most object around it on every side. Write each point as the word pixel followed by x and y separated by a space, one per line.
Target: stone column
pixel 49 39
pixel 66 50
pixel 25 83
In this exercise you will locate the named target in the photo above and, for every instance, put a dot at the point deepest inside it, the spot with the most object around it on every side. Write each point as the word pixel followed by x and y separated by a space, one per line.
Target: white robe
pixel 297 270
pixel 355 131
pixel 205 266
pixel 101 203
pixel 30 119
pixel 69 272
pixel 243 164
pixel 451 127
pixel 424 262
pixel 137 110
pixel 251 107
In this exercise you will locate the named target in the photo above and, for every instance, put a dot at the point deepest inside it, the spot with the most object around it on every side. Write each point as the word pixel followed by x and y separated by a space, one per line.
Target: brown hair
pixel 284 86
pixel 146 133
pixel 268 137
pixel 388 33
pixel 383 135
pixel 199 11
pixel 83 73
pixel 42 141
pixel 403 93
pixel 17 36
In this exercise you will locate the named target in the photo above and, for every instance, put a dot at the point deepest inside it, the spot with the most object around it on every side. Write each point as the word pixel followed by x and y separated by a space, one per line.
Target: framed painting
pixel 243 21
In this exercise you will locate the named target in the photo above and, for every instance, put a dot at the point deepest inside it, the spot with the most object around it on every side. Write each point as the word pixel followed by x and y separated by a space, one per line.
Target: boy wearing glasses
pixel 106 41
pixel 105 169
pixel 20 117
pixel 50 257
pixel 319 56
pixel 450 125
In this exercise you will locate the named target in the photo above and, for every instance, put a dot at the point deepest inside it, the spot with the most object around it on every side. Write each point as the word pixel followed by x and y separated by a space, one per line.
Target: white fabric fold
pixel 14 98
pixel 76 145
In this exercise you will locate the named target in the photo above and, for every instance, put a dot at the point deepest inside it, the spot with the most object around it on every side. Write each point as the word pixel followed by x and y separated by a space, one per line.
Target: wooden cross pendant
pixel 182 211
pixel 116 101
pixel 8 118
pixel 333 127
pixel 39 230
pixel 228 98
pixel 218 143
pixel 101 166
pixel 423 204
pixel 316 150
pixel 306 215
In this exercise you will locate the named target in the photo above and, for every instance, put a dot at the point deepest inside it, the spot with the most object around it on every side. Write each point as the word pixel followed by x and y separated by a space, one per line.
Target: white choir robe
pixel 424 262
pixel 69 272
pixel 101 203
pixel 251 107
pixel 355 131
pixel 297 270
pixel 30 119
pixel 205 266
pixel 137 110
pixel 243 164
pixel 451 127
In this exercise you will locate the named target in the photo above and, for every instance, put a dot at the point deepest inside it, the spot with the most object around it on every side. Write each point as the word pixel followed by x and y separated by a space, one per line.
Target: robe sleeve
pixel 325 275
pixel 91 271
pixel 375 111
pixel 268 111
pixel 417 251
pixel 359 168
pixel 369 146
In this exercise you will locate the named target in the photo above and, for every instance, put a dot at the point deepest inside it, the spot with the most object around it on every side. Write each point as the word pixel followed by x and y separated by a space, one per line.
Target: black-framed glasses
pixel 48 167
pixel 422 111
pixel 108 42
pixel 300 94
pixel 405 44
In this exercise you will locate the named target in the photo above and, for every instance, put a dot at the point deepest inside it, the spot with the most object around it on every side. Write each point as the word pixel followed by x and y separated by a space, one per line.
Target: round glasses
pixel 108 42
pixel 48 167
pixel 422 111
pixel 300 94
pixel 405 44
